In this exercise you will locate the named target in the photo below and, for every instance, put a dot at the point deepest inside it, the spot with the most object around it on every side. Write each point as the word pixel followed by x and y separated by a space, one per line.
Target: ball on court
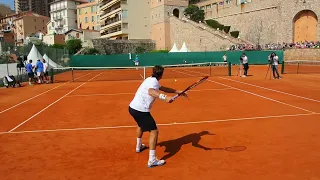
pixel 175 80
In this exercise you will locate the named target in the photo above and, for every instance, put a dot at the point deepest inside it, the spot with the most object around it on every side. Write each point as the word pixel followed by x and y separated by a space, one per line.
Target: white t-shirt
pixel 45 66
pixel 224 58
pixel 245 59
pixel 142 101
pixel 275 60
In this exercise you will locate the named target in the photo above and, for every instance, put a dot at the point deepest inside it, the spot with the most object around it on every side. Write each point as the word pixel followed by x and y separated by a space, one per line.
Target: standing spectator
pixel 29 68
pixel 45 71
pixel 39 67
pixel 274 61
pixel 244 62
pixel 224 57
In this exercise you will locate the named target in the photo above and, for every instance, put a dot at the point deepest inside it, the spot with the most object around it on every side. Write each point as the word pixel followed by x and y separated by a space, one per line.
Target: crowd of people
pixel 275 46
pixel 37 73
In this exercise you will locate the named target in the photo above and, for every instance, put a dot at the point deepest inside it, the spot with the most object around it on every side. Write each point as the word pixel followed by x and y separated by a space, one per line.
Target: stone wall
pixel 265 21
pixel 195 37
pixel 302 54
pixel 105 46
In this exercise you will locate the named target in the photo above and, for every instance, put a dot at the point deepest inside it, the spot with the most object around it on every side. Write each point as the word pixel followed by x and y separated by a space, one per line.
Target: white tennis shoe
pixel 142 147
pixel 155 162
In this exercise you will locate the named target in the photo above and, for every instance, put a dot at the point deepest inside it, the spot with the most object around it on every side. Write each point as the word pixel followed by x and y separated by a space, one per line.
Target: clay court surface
pixel 261 129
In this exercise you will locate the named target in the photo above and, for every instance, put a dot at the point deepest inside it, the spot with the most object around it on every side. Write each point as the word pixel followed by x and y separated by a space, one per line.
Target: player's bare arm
pixel 156 94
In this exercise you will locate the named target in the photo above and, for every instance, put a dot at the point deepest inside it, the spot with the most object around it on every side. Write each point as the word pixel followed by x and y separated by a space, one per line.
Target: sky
pixel 7 2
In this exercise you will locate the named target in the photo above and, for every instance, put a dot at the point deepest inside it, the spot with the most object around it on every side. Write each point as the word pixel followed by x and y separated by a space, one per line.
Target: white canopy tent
pixel 51 63
pixel 184 48
pixel 174 48
pixel 34 55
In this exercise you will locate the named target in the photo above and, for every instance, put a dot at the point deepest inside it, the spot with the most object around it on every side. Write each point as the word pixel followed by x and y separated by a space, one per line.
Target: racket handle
pixel 174 98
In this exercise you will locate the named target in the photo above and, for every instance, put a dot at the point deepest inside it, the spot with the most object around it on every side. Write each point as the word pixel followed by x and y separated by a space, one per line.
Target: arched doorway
pixel 305 26
pixel 176 12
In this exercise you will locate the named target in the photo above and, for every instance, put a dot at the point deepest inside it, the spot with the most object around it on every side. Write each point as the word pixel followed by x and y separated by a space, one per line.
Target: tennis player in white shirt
pixel 140 107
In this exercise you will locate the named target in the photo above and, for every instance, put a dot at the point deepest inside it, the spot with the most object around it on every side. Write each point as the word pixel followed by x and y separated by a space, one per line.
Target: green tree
pixel 194 13
pixel 92 51
pixel 6 59
pixel 58 46
pixel 73 45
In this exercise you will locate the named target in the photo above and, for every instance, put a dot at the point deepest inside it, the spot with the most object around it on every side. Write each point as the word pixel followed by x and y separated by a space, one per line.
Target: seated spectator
pixel 10 81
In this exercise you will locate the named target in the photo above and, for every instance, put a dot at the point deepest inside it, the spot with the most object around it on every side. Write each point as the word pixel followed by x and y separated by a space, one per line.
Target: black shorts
pixel 31 75
pixel 144 120
pixel 46 73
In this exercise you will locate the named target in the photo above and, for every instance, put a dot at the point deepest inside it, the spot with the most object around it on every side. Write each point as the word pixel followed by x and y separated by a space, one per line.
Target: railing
pixel 58 8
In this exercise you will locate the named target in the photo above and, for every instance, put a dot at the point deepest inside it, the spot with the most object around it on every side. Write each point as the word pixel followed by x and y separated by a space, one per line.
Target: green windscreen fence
pixel 151 59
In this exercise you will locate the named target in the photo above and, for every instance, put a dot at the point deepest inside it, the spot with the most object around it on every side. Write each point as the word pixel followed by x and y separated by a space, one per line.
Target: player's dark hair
pixel 30 61
pixel 157 71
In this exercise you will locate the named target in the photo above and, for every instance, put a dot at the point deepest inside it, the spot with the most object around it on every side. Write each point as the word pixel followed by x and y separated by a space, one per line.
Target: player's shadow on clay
pixel 174 146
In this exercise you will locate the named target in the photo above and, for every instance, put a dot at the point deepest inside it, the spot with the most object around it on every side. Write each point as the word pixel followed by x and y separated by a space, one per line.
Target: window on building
pixel 92 18
pixel 124 13
pixel 93 9
pixel 79 11
pixel 208 6
pixel 86 19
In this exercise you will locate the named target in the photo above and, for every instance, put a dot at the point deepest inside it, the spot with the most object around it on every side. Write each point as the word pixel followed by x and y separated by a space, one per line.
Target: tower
pixel 161 10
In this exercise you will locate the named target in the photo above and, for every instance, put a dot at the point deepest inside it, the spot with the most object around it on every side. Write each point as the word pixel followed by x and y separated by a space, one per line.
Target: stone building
pixel 267 21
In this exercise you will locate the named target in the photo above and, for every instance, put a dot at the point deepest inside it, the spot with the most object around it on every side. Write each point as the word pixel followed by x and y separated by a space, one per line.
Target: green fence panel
pixel 151 59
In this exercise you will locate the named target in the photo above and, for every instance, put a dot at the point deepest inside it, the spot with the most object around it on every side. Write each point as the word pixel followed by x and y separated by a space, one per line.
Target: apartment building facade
pixel 125 19
pixel 37 6
pixel 29 24
pixel 63 14
pixel 7 28
pixel 88 17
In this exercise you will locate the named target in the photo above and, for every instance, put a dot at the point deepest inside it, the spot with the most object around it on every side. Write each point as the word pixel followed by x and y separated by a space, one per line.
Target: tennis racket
pixel 188 88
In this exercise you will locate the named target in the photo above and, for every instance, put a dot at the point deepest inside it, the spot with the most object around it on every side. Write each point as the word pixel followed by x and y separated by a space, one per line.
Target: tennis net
pixel 301 67
pixel 80 74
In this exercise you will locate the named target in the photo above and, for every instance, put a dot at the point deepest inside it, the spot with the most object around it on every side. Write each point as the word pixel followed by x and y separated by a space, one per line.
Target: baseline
pixel 116 94
pixel 168 124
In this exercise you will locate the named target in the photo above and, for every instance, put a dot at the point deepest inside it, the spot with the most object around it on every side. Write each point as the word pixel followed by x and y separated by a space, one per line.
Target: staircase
pixel 185 30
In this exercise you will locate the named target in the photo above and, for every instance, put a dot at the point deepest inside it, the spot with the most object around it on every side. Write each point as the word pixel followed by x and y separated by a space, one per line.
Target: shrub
pixel 235 34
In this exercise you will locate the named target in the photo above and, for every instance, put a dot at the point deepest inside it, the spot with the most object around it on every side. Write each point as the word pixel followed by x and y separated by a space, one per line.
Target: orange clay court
pixel 261 129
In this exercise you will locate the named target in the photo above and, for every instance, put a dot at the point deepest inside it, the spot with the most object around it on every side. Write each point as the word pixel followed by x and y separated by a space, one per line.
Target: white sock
pixel 138 142
pixel 152 155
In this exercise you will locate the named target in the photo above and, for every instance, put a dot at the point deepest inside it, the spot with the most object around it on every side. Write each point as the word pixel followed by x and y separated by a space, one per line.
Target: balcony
pixel 56 18
pixel 109 3
pixel 105 15
pixel 58 8
pixel 111 24
pixel 113 32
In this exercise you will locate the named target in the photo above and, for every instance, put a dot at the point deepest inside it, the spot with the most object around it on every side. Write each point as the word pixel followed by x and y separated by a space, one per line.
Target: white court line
pixel 251 93
pixel 31 98
pixel 168 124
pixel 38 95
pixel 116 94
pixel 141 76
pixel 272 90
pixel 53 103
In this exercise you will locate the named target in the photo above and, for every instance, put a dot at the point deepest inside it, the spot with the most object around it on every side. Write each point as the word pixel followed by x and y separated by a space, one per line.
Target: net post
pixel 229 68
pixel 282 67
pixel 210 68
pixel 51 75
pixel 72 74
pixel 144 72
